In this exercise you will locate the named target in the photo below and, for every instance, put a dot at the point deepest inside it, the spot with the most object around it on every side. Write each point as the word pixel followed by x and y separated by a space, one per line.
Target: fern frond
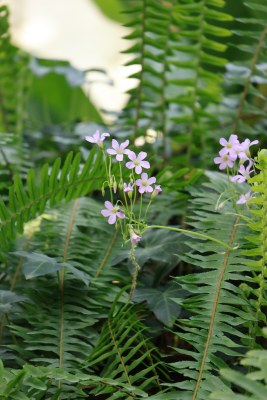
pixel 253 384
pixel 124 353
pixel 54 186
pixel 248 106
pixel 258 240
pixel 219 308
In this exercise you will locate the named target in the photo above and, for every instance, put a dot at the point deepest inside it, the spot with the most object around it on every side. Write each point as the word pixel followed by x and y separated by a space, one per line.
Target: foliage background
pixel 68 328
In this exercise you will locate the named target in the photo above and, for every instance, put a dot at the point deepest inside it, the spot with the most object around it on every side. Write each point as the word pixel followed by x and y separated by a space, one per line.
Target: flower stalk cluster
pixel 130 186
pixel 232 151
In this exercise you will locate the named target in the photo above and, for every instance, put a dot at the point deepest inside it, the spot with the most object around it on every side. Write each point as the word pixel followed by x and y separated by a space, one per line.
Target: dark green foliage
pixel 218 309
pixel 68 328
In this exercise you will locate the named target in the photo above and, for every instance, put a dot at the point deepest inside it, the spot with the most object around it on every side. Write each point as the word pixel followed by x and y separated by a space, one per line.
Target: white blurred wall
pixel 77 31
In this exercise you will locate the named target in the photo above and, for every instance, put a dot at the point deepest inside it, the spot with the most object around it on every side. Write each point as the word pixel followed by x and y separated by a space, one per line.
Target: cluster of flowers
pixel 136 163
pixel 231 151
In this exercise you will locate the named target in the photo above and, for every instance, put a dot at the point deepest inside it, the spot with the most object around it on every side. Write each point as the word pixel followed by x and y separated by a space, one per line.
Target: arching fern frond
pixel 52 186
pixel 220 310
pixel 124 353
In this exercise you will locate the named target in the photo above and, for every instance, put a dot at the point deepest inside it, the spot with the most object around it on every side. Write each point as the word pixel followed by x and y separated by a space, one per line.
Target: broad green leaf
pixel 38 264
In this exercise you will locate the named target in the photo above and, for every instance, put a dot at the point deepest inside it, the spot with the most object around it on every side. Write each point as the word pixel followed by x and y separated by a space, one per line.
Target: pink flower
pixel 135 238
pixel 145 183
pixel 128 188
pixel 243 173
pixel 112 212
pixel 244 152
pixel 97 138
pixel 224 161
pixel 137 161
pixel 118 149
pixel 156 191
pixel 232 147
pixel 244 198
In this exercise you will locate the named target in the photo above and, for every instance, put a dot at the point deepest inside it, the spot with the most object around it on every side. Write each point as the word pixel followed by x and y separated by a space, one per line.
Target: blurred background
pixel 86 33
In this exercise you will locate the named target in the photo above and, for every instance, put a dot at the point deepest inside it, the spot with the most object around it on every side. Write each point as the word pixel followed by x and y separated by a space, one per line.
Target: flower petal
pixel 119 157
pixel 138 169
pixel 129 165
pixel 151 180
pixel 105 213
pixel 112 219
pixel 125 144
pixel 145 164
pixel 115 144
pixel 90 139
pixel 111 151
pixel 142 155
pixel 131 155
pixel 120 214
pixel 109 205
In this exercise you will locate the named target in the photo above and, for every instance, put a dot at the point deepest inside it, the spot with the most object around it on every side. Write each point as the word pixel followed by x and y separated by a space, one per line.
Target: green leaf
pixel 38 264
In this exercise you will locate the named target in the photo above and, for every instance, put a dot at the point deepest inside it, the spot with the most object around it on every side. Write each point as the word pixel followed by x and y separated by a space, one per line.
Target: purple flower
pixel 128 188
pixel 232 147
pixel 145 183
pixel 97 138
pixel 243 173
pixel 118 149
pixel 135 238
pixel 244 152
pixel 224 161
pixel 244 198
pixel 112 212
pixel 137 161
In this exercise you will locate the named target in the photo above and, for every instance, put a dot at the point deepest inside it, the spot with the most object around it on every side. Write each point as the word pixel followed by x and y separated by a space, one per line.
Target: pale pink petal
pixel 142 155
pixel 125 144
pixel 138 169
pixel 131 155
pixel 254 142
pixel 105 213
pixel 104 135
pixel 119 157
pixel 149 189
pixel 138 182
pixel 141 189
pixel 115 144
pixel 120 214
pixel 223 142
pixel 112 219
pixel 111 151
pixel 109 205
pixel 144 176
pixel 223 165
pixel 145 164
pixel 151 180
pixel 217 160
pixel 129 165
pixel 90 139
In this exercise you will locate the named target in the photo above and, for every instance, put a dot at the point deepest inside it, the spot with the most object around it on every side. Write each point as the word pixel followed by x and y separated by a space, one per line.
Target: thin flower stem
pixel 148 207
pixel 201 235
pixel 108 175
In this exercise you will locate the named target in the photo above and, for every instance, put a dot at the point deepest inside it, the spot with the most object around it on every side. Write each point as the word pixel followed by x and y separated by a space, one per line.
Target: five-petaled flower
pixel 118 149
pixel 231 147
pixel 112 212
pixel 244 198
pixel 137 161
pixel 145 183
pixel 97 138
pixel 244 173
pixel 224 161
pixel 244 152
